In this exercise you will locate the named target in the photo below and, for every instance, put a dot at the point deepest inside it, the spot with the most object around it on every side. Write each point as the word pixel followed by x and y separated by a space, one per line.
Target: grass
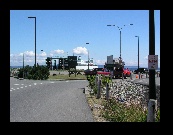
pixel 113 111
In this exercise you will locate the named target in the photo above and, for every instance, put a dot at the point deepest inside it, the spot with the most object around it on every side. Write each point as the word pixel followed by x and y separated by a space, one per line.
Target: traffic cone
pixel 136 76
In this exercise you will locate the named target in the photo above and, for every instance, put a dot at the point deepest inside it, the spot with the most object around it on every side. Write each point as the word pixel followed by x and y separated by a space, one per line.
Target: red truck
pixel 119 71
pixel 96 71
pixel 126 72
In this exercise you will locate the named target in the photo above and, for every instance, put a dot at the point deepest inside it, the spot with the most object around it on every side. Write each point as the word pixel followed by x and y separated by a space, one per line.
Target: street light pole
pixel 120 36
pixel 88 57
pixel 35 39
pixel 120 44
pixel 23 65
pixel 138 51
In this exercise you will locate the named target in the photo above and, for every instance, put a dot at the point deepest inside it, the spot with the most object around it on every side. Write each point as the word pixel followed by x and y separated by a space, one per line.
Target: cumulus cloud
pixel 130 63
pixel 58 52
pixel 146 57
pixel 80 51
pixel 28 53
pixel 100 62
pixel 55 52
pixel 43 54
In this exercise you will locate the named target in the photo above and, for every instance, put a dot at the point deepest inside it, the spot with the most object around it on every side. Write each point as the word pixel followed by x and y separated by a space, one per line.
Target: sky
pixel 63 33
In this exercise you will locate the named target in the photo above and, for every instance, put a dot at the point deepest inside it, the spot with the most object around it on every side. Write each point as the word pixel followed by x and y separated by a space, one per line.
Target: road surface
pixel 48 101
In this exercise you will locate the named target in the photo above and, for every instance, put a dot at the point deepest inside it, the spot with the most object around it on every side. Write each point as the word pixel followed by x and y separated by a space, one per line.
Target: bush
pixel 35 73
pixel 119 112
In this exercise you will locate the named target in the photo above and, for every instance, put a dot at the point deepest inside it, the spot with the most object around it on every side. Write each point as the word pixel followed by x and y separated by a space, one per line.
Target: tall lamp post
pixel 23 66
pixel 120 36
pixel 41 51
pixel 35 39
pixel 138 51
pixel 88 57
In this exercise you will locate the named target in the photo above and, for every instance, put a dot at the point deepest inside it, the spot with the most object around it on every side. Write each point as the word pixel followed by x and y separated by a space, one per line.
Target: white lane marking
pixel 10 90
pixel 29 85
pixel 21 87
pixel 52 82
pixel 41 83
pixel 17 88
pixel 66 81
pixel 16 84
pixel 35 83
pixel 22 84
pixel 25 86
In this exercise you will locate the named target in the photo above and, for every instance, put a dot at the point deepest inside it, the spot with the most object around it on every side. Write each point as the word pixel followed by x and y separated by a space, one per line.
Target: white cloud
pixel 80 51
pixel 131 63
pixel 100 62
pixel 43 54
pixel 55 52
pixel 146 57
pixel 58 52
pixel 28 53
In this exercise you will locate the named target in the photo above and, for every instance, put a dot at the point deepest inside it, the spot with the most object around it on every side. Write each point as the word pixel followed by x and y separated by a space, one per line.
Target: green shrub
pixel 35 73
pixel 118 112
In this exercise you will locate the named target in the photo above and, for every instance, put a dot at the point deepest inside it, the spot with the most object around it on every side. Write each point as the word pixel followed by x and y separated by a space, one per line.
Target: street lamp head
pixel 136 36
pixel 87 43
pixel 129 24
pixel 108 25
pixel 31 17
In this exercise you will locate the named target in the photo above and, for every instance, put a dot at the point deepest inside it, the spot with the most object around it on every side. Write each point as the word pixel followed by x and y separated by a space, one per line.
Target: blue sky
pixel 65 32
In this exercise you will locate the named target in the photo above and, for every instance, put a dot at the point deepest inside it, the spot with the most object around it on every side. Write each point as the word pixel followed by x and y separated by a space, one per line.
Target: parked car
pixel 87 71
pixel 126 72
pixel 141 70
pixel 95 71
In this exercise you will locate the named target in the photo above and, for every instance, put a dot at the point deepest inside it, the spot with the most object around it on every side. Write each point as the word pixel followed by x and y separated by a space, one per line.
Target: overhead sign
pixel 153 62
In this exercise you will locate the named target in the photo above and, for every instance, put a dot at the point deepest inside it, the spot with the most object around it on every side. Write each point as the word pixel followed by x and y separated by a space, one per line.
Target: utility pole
pixel 152 104
pixel 152 87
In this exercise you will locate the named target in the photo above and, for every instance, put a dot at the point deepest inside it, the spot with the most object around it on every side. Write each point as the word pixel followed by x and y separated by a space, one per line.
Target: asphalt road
pixel 48 101
pixel 145 81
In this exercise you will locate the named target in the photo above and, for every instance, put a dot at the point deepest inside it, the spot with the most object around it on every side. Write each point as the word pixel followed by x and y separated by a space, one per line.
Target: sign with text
pixel 153 62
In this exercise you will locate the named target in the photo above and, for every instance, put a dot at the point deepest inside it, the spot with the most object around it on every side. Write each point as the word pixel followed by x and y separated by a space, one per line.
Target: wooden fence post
pixel 107 91
pixel 98 92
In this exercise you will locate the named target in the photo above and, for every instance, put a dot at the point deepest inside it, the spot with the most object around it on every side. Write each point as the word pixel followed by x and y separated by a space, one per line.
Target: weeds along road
pixel 48 101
